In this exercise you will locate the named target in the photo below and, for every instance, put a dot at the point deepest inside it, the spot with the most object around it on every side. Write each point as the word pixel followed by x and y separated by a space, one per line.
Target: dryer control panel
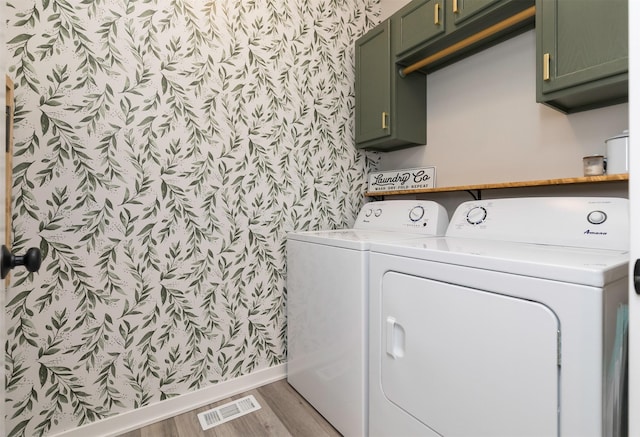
pixel 590 222
pixel 413 216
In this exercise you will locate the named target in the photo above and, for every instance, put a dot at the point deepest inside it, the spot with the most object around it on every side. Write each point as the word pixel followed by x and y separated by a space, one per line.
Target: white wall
pixel 484 125
pixel 388 7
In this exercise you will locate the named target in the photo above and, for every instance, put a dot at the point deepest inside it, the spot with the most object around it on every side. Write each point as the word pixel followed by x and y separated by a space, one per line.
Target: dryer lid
pixel 594 267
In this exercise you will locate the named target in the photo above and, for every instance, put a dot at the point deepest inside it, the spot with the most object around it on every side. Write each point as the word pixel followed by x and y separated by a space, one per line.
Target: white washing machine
pixel 327 306
pixel 514 324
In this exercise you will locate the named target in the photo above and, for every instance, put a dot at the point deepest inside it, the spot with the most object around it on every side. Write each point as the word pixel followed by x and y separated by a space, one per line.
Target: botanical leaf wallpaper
pixel 163 149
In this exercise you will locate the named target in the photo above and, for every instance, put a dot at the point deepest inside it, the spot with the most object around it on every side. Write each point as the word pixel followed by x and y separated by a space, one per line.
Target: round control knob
pixel 377 212
pixel 367 213
pixel 597 217
pixel 476 215
pixel 416 213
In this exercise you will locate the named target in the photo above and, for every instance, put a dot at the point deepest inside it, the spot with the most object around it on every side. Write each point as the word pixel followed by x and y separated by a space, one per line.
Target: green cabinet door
pixel 390 110
pixel 373 84
pixel 582 53
pixel 417 23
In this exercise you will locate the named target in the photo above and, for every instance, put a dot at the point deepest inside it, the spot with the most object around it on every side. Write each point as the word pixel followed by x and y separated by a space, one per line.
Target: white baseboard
pixel 130 420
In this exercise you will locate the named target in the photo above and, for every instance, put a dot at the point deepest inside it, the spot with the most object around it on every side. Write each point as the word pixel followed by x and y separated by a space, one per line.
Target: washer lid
pixel 356 239
pixel 594 267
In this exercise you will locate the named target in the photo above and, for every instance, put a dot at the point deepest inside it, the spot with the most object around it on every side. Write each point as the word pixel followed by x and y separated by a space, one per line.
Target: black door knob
pixel 636 276
pixel 31 260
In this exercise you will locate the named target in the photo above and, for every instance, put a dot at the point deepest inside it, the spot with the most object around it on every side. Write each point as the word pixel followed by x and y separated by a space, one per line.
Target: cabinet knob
pixel 436 13
pixel 455 7
pixel 385 117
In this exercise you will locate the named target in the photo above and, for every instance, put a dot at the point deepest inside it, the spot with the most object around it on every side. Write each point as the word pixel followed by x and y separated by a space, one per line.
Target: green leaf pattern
pixel 163 149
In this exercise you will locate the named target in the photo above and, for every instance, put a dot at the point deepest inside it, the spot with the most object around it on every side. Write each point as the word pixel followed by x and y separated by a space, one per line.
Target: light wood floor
pixel 284 413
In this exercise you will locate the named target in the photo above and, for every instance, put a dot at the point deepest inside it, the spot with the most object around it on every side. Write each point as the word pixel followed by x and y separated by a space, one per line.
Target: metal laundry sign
pixel 405 179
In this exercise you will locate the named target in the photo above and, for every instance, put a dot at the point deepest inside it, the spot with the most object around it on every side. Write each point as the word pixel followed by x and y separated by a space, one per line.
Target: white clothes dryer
pixel 514 324
pixel 327 306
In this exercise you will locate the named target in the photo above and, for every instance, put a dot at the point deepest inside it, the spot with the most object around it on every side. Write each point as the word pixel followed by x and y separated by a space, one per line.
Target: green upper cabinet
pixel 390 110
pixel 425 27
pixel 582 53
pixel 373 84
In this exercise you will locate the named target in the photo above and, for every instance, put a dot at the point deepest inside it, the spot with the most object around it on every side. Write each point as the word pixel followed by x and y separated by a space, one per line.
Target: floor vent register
pixel 227 412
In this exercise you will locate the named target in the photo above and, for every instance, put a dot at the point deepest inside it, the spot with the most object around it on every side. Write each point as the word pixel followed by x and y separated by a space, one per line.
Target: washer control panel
pixel 373 212
pixel 595 222
pixel 413 216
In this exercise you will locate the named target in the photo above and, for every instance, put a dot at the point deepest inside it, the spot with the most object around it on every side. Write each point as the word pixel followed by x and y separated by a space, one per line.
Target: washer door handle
pixel 636 276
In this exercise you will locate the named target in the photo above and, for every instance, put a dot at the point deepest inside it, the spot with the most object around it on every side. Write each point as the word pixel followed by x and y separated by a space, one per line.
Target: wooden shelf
pixel 538 183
